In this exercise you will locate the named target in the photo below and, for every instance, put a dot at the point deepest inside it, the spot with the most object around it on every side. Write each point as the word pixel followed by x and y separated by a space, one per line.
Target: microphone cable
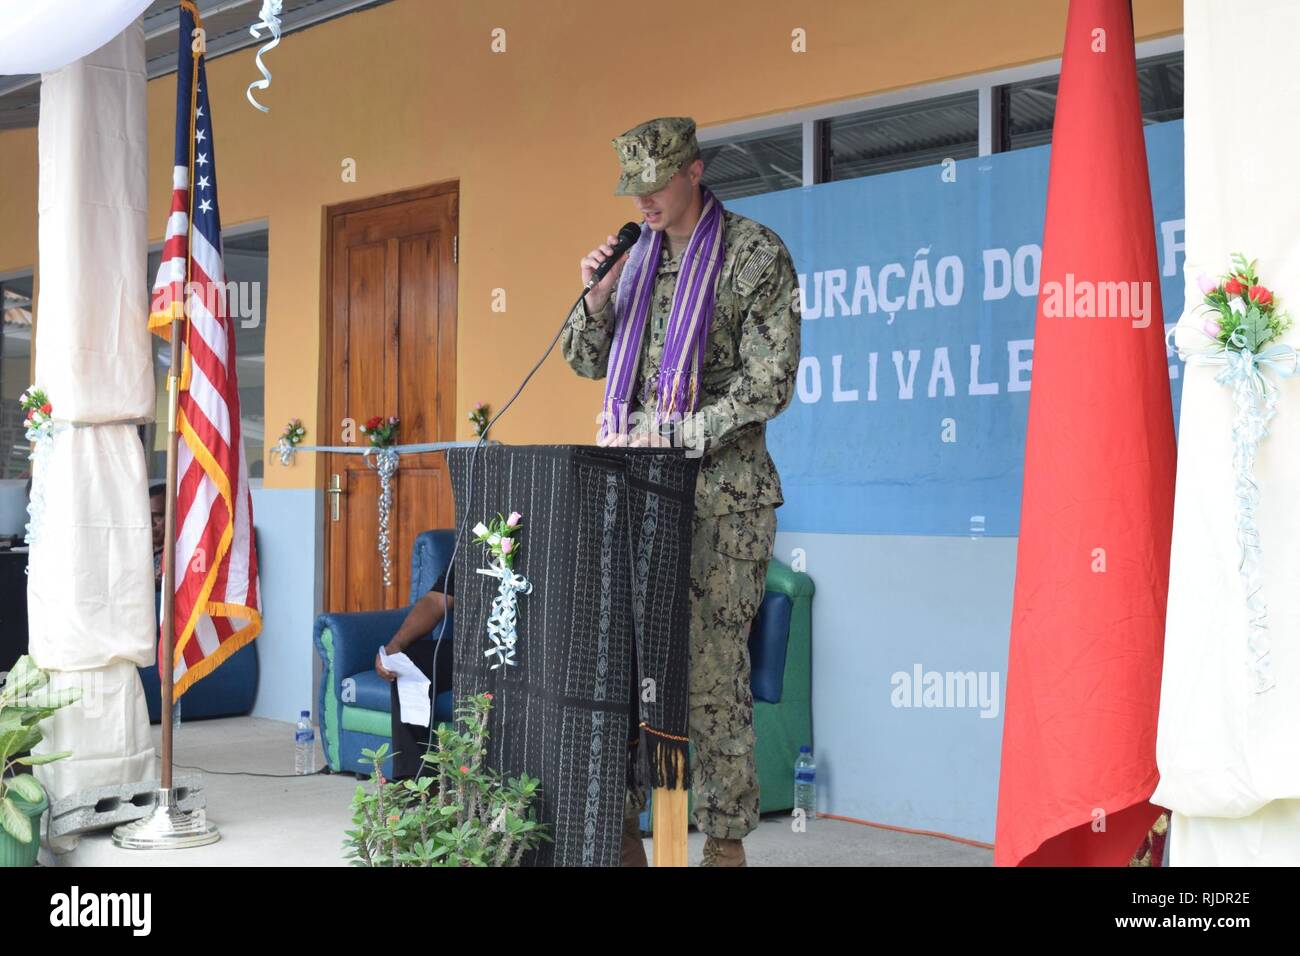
pixel 469 498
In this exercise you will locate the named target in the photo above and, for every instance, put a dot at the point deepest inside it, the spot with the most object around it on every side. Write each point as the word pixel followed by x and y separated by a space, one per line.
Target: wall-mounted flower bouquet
pixel 381 431
pixel 38 424
pixel 290 439
pixel 39 421
pixel 479 416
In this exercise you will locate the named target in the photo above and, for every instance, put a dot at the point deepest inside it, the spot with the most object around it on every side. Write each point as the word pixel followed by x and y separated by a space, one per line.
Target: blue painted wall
pixel 885 606
pixel 291 569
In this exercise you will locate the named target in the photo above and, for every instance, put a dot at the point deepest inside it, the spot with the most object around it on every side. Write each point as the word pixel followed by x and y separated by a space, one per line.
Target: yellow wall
pixel 413 93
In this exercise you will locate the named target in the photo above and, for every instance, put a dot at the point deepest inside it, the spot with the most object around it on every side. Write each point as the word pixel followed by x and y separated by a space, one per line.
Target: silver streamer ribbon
pixel 269 20
pixel 42 437
pixel 284 450
pixel 288 455
pixel 504 618
pixel 1255 398
pixel 384 461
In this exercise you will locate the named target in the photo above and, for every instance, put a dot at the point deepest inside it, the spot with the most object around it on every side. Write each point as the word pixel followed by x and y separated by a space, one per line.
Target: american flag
pixel 217 606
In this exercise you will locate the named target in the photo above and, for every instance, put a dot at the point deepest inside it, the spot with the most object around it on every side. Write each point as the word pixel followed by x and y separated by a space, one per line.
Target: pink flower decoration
pixel 506 545
pixel 1212 328
pixel 1206 284
pixel 514 519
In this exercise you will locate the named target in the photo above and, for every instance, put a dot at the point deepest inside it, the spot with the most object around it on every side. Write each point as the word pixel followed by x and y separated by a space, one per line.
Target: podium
pixel 598 696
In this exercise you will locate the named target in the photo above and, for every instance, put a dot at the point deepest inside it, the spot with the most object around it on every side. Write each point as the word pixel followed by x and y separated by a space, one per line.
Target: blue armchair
pixel 355 702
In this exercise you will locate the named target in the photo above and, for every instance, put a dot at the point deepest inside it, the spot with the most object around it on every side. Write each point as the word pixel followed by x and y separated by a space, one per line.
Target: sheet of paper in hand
pixel 412 688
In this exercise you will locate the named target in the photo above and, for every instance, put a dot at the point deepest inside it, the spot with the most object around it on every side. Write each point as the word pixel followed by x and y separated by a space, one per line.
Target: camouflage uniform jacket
pixel 749 370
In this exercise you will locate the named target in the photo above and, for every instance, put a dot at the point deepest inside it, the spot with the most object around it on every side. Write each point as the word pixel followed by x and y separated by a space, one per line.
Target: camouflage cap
pixel 651 153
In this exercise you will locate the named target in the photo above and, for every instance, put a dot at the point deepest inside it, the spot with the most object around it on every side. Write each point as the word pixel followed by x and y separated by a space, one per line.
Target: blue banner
pixel 919 292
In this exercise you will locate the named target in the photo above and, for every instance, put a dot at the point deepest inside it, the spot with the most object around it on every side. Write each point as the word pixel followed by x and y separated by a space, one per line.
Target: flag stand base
pixel 167 827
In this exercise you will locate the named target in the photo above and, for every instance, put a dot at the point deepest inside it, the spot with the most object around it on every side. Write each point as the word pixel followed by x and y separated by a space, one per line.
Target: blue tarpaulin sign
pixel 919 291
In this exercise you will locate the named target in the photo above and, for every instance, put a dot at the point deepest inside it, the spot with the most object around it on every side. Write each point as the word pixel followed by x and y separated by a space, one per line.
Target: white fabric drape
pixel 90 582
pixel 1229 759
pixel 41 35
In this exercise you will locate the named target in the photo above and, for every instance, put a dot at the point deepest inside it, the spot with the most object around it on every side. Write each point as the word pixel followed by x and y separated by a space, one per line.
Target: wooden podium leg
pixel 670 827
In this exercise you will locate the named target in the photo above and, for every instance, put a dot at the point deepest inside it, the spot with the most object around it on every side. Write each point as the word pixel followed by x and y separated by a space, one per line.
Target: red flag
pixel 1092 569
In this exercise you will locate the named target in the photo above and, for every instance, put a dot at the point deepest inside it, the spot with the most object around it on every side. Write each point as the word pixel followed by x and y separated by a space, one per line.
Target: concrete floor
pixel 299 821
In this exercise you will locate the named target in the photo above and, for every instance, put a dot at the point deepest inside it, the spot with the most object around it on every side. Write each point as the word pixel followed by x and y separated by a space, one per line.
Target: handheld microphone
pixel 627 237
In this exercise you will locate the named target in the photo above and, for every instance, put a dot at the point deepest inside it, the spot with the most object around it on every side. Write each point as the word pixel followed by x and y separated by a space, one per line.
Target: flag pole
pixel 167 826
pixel 167 647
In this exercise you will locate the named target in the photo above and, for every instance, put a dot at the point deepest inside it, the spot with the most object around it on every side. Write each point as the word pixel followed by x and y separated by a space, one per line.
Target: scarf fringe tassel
pixel 663 760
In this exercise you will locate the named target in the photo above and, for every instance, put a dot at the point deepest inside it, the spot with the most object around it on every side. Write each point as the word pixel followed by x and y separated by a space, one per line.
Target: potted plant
pixel 466 815
pixel 25 700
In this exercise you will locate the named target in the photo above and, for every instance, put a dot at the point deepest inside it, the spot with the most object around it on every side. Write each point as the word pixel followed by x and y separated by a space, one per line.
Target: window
pixel 15 373
pixel 756 163
pixel 902 137
pixel 1027 108
pixel 903 129
pixel 245 256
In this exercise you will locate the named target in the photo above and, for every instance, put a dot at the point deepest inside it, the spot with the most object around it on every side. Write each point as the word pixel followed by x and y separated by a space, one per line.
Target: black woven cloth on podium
pixel 599 694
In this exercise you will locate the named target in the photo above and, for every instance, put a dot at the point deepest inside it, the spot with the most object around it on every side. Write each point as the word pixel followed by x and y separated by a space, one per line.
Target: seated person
pixel 411 740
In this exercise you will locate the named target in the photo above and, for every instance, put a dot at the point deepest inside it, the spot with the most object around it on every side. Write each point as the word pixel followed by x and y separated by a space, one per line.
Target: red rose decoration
pixel 1232 286
pixel 46 407
pixel 1259 295
pixel 464 769
pixel 488 696
pixel 373 423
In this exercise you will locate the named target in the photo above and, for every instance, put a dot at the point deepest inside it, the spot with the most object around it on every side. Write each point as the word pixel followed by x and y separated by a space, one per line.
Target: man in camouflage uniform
pixel 749 372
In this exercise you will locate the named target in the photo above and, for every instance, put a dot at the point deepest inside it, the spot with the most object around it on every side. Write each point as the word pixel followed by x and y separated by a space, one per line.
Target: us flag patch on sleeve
pixel 754 268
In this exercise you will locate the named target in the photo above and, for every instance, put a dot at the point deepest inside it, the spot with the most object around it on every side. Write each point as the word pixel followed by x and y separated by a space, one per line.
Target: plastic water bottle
pixel 304 745
pixel 805 783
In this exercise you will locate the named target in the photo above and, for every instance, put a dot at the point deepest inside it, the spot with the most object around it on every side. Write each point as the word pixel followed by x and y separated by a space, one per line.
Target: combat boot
pixel 633 852
pixel 723 852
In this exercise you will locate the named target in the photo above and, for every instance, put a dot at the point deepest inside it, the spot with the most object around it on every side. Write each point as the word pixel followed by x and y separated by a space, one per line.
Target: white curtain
pixel 1229 759
pixel 41 35
pixel 90 581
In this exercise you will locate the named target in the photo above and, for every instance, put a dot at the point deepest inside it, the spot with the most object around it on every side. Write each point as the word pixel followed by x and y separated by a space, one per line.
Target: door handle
pixel 335 490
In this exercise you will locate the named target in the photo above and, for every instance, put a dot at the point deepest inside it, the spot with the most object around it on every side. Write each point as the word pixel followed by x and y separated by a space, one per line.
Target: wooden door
pixel 391 350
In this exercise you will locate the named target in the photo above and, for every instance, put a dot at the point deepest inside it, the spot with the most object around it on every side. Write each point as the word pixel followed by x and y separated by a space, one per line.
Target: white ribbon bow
pixel 502 621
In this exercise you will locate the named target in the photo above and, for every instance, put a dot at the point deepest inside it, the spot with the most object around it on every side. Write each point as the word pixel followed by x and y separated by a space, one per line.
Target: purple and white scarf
pixel 677 389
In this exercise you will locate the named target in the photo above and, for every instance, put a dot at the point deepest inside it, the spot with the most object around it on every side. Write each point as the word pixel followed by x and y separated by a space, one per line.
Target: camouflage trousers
pixel 729 555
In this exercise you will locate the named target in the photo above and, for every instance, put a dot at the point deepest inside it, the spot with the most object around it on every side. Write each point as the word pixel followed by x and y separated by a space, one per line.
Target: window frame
pixel 987 86
pixel 27 274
